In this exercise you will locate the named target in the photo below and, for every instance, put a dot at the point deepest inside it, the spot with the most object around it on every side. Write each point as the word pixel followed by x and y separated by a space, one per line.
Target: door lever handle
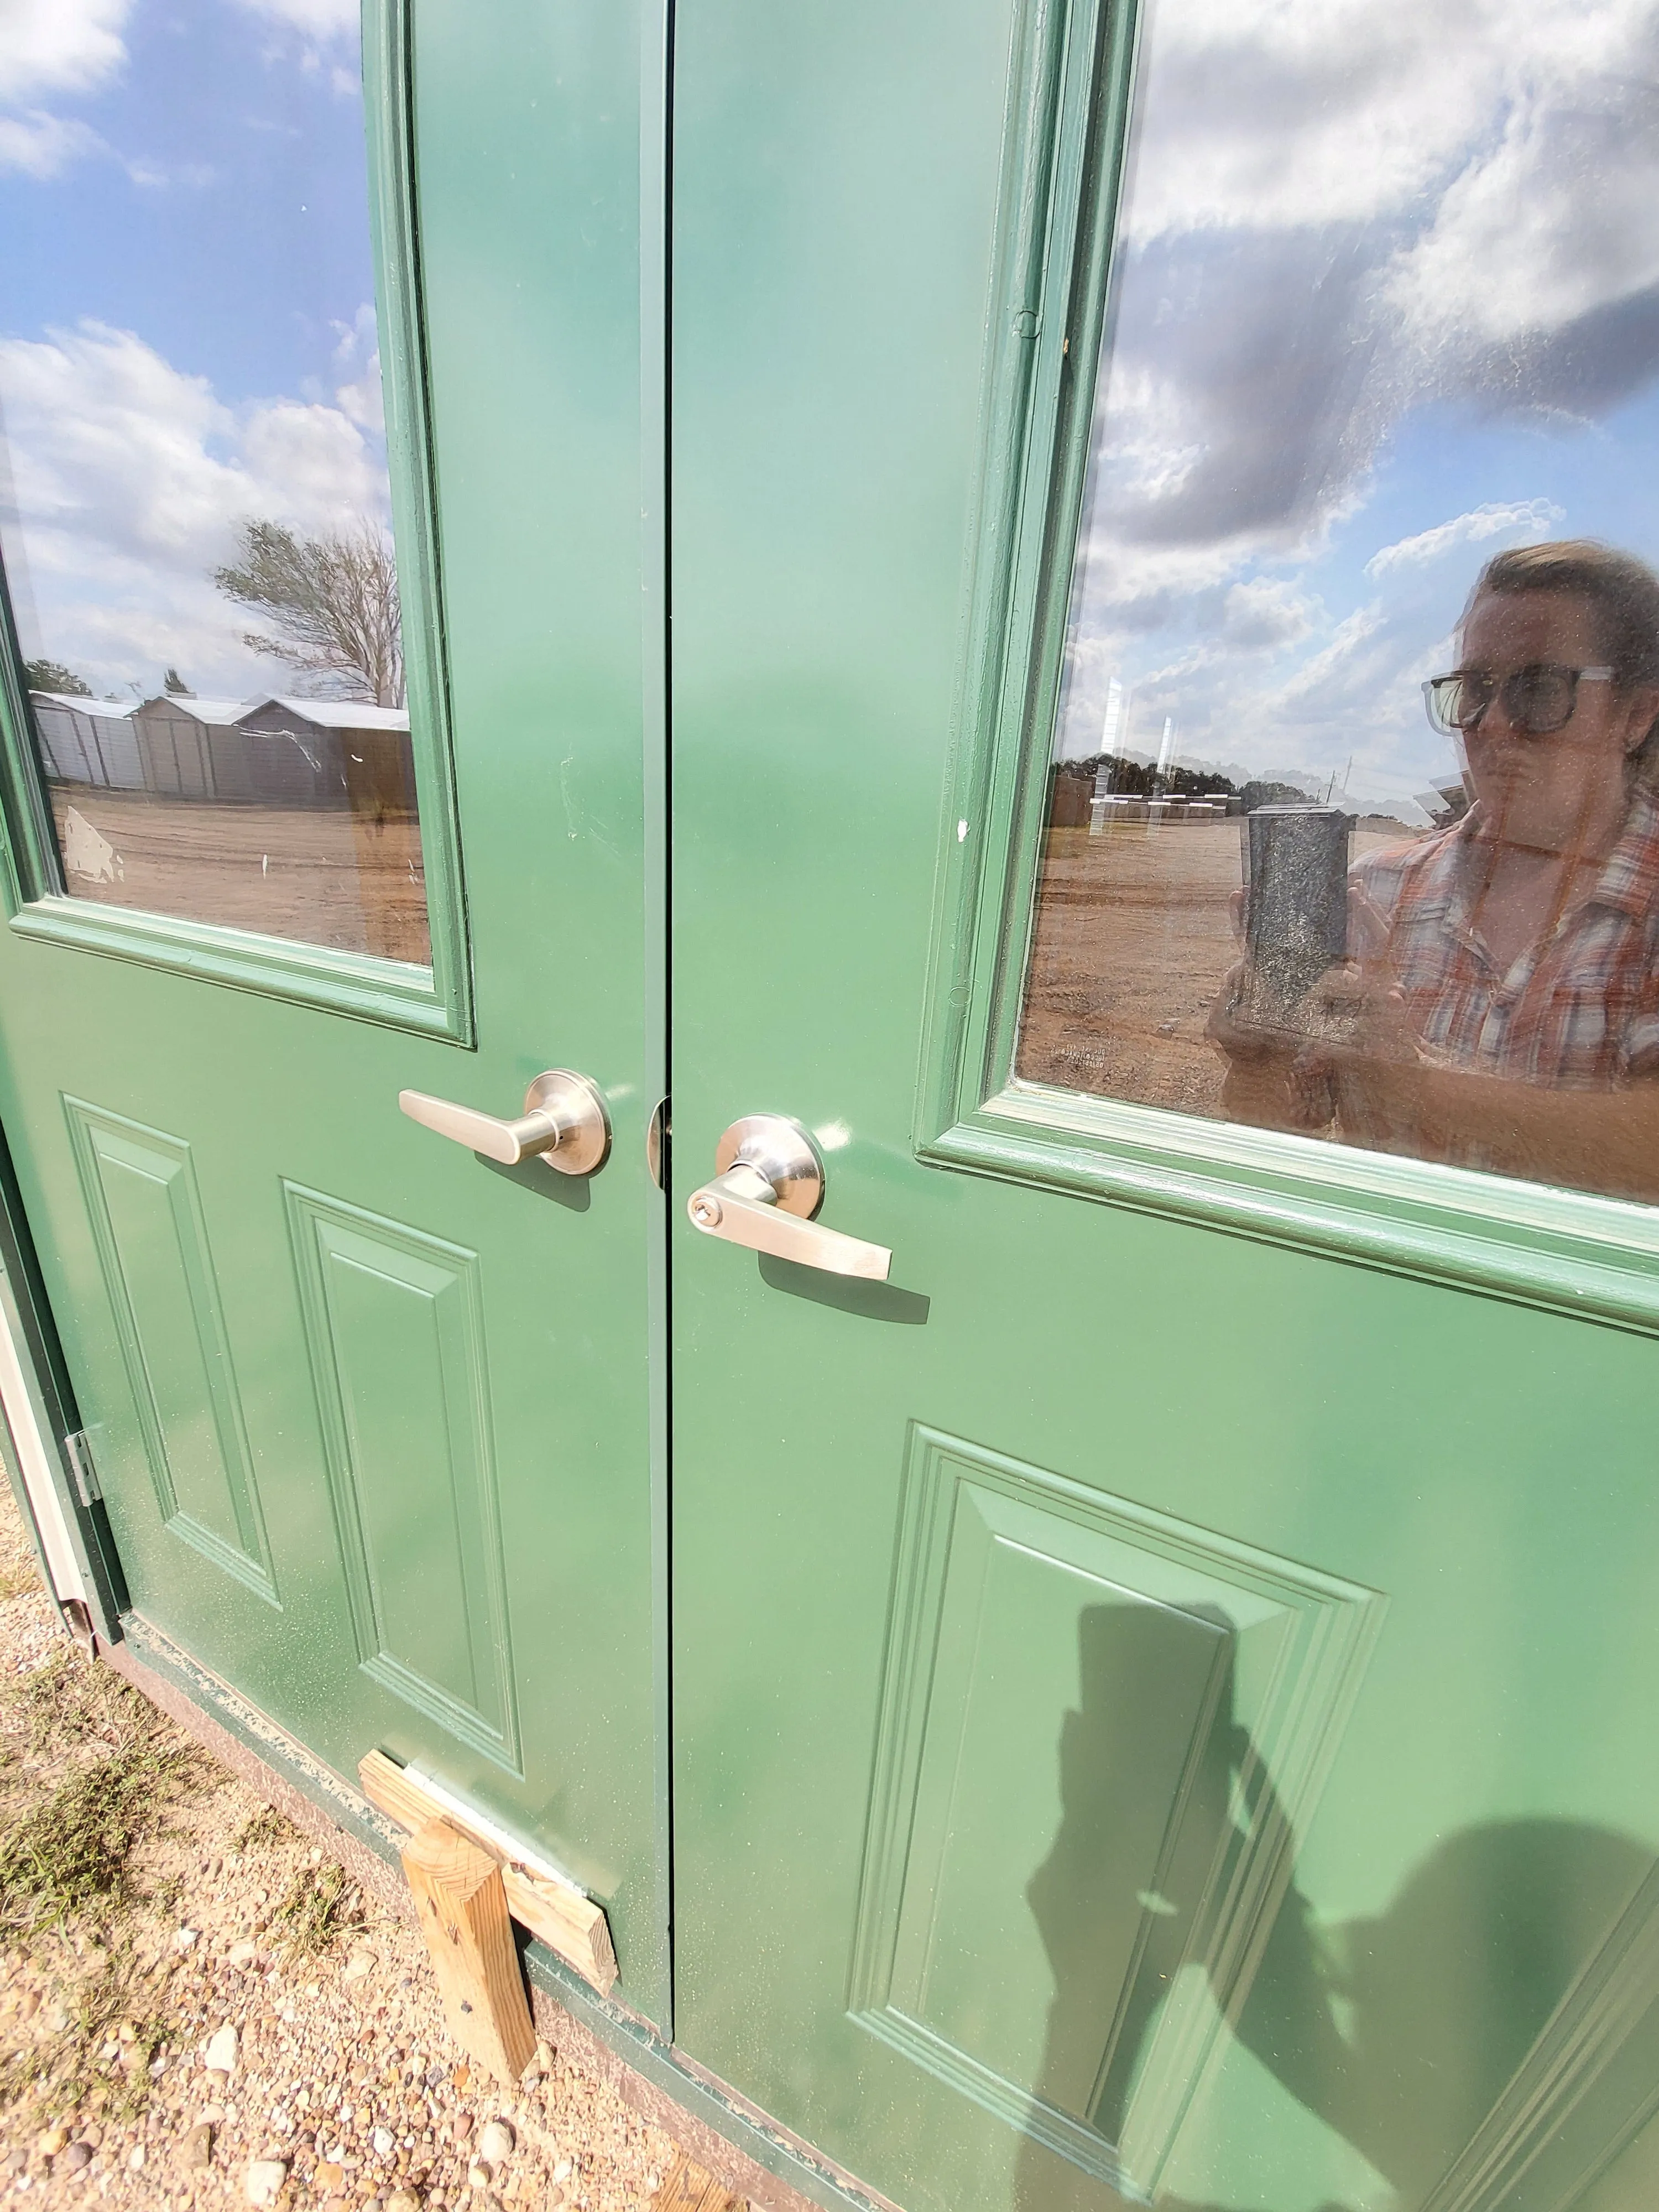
pixel 768 1184
pixel 564 1124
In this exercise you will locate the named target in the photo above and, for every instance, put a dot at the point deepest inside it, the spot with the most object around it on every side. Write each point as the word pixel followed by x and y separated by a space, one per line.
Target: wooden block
pixel 567 1921
pixel 689 2188
pixel 390 1790
pixel 462 1903
pixel 561 1917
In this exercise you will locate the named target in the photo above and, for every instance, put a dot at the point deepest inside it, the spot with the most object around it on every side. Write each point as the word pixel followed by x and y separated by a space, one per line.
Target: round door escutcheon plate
pixel 577 1105
pixel 783 1152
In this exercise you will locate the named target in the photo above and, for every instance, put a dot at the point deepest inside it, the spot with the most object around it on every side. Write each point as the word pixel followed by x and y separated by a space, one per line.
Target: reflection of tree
pixel 332 601
pixel 1401 2033
pixel 52 676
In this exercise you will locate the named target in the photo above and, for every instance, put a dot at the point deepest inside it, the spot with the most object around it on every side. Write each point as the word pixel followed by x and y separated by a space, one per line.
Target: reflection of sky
pixel 187 320
pixel 1381 310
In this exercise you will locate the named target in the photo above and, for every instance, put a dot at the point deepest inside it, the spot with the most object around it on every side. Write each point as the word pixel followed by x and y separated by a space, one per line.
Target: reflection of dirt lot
pixel 324 876
pixel 1133 938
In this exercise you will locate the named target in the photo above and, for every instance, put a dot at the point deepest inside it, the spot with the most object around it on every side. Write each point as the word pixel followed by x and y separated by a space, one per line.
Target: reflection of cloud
pixel 1334 220
pixel 315 19
pixel 1338 221
pixel 1264 613
pixel 1531 517
pixel 1518 245
pixel 357 363
pixel 321 42
pixel 59 46
pixel 130 478
pixel 51 47
pixel 43 145
pixel 153 176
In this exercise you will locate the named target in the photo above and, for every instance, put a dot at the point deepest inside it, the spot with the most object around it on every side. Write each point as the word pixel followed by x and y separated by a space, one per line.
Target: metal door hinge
pixel 83 1468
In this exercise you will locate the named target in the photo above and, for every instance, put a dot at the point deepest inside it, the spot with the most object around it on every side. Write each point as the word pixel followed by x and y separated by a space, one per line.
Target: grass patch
pixel 70 1853
pixel 267 1828
pixel 74 1700
pixel 18 1569
pixel 321 1904
pixel 16 1575
pixel 100 2060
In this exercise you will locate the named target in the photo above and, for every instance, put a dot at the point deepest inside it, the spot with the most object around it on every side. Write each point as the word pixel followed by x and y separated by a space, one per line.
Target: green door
pixel 1164 1680
pixel 369 1408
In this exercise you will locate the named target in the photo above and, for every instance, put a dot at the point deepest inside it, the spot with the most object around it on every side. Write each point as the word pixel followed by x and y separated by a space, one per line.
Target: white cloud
pixel 1336 217
pixel 1340 219
pixel 53 48
pixel 129 479
pixel 1265 613
pixel 42 145
pixel 318 19
pixel 357 363
pixel 1526 518
pixel 49 47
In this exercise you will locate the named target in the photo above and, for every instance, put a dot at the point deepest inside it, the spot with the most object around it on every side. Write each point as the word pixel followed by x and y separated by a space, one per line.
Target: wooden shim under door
pixel 554 1911
pixel 689 2188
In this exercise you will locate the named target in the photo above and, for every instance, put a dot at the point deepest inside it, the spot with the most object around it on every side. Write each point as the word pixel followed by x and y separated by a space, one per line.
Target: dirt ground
pixel 190 1990
pixel 322 875
pixel 1134 937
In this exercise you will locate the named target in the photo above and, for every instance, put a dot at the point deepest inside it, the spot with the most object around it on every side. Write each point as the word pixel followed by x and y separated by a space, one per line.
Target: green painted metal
pixel 1192 1555
pixel 306 1337
pixel 52 1401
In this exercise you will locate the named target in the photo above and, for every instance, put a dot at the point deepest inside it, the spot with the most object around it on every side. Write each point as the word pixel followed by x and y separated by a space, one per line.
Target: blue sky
pixel 1387 301
pixel 186 315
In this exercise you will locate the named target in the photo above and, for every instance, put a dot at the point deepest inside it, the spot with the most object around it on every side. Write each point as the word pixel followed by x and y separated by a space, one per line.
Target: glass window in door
pixel 194 503
pixel 1353 808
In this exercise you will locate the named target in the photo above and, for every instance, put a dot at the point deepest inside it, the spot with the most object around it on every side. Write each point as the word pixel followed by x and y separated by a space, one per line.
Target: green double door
pixel 370 1413
pixel 1161 1674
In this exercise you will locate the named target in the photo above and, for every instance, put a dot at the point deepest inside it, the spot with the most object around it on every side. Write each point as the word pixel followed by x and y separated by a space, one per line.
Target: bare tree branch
pixel 332 602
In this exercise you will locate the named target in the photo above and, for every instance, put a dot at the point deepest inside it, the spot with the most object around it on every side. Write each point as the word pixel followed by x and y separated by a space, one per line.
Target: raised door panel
pixel 140 1194
pixel 1073 1683
pixel 394 1323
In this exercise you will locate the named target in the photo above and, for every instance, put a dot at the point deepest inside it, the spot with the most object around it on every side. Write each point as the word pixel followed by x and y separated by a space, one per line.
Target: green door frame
pixel 40 1354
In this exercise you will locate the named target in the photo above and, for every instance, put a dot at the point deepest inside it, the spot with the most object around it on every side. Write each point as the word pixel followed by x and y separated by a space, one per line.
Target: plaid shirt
pixel 1579 1012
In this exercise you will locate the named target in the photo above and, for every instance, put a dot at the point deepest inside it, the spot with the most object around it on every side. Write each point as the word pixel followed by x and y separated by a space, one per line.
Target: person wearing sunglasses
pixel 1500 1005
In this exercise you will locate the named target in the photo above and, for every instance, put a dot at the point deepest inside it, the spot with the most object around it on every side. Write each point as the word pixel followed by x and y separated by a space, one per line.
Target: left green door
pixel 369 1411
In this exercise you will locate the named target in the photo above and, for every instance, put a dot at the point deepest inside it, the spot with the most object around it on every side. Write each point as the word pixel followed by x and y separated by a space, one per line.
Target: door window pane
pixel 1378 404
pixel 194 504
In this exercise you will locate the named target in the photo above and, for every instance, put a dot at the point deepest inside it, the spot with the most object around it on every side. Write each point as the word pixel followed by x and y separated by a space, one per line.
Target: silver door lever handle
pixel 769 1183
pixel 564 1124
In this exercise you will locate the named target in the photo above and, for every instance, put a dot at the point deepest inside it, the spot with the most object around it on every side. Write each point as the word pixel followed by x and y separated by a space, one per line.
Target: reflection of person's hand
pixel 1366 1057
pixel 1359 1008
pixel 1266 1084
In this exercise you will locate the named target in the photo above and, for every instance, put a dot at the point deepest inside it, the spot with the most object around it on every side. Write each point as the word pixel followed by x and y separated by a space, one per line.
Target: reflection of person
pixel 1404 2030
pixel 1501 1007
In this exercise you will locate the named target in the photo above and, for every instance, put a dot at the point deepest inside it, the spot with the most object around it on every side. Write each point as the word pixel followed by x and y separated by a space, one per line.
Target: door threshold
pixel 747 2152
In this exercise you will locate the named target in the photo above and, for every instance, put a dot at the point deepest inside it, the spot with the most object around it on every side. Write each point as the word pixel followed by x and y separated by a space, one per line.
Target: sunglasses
pixel 1538 700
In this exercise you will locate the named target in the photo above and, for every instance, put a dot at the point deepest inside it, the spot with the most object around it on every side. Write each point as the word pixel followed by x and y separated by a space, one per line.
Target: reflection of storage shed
pixel 188 748
pixel 88 741
pixel 358 755
pixel 276 753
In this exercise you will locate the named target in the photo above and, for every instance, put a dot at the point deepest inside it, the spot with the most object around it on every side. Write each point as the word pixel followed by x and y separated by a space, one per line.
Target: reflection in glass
pixel 1489 2037
pixel 194 503
pixel 1363 423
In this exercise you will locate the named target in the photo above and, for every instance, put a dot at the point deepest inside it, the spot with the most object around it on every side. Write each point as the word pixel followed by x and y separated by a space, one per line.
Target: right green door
pixel 1164 1678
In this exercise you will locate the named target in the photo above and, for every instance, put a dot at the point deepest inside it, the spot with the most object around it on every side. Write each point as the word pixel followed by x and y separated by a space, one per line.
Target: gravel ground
pixel 198 2006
